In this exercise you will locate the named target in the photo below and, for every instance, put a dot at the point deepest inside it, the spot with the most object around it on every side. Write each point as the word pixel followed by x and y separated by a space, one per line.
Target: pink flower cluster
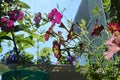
pixel 113 42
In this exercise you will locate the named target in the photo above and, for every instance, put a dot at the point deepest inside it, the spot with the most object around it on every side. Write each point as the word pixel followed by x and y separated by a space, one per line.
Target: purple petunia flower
pixel 6 24
pixel 37 18
pixel 16 15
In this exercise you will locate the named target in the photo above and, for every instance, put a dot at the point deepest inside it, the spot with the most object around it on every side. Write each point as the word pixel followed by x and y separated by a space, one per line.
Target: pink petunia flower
pixel 55 16
pixel 113 46
pixel 6 24
pixel 16 15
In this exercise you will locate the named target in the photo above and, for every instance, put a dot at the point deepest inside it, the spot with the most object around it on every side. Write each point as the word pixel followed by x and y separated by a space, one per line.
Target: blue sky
pixel 45 6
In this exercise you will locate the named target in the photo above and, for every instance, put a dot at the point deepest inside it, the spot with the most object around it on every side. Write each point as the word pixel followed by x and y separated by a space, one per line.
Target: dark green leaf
pixel 5 37
pixel 17 28
pixel 1 49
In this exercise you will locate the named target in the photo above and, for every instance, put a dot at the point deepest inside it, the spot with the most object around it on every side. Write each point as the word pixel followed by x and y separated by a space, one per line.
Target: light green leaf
pixel 27 42
pixel 2 34
pixel 24 78
pixel 24 5
pixel 106 2
pixel 83 23
pixel 35 35
pixel 41 38
pixel 20 21
pixel 45 51
pixel 96 10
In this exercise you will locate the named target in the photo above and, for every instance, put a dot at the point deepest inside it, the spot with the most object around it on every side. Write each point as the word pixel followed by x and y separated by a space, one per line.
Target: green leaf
pixel 35 35
pixel 26 77
pixel 24 5
pixel 27 42
pixel 19 37
pixel 9 44
pixel 5 37
pixel 96 10
pixel 20 21
pixel 1 49
pixel 83 23
pixel 41 38
pixel 69 22
pixel 17 28
pixel 118 78
pixel 45 51
pixel 13 78
pixel 106 2
pixel 2 33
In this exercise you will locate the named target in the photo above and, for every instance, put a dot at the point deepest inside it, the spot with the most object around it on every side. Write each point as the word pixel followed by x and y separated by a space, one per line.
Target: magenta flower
pixel 6 24
pixel 113 46
pixel 16 15
pixel 55 16
pixel 37 18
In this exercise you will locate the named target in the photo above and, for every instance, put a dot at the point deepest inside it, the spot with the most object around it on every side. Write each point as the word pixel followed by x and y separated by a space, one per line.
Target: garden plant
pixel 100 47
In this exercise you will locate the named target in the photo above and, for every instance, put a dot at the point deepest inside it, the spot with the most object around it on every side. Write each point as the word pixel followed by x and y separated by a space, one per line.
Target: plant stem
pixel 15 48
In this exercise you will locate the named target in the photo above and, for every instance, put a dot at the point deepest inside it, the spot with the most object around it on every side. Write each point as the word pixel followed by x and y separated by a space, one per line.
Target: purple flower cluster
pixel 7 24
pixel 16 15
pixel 71 59
pixel 37 18
pixel 11 59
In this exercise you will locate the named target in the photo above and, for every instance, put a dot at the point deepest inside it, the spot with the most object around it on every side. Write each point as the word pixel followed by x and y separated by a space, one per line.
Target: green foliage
pixel 106 4
pixel 24 5
pixel 96 10
pixel 6 37
pixel 83 22
pixel 26 34
pixel 45 51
